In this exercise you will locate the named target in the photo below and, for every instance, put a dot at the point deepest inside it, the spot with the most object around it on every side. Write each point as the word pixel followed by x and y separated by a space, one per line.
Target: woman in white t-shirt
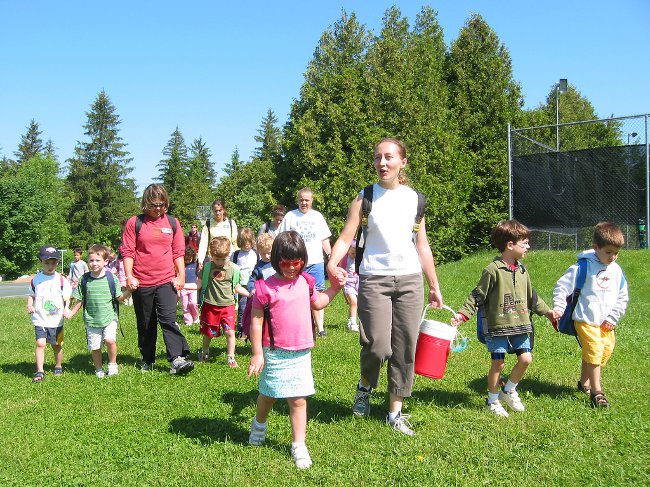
pixel 218 226
pixel 391 289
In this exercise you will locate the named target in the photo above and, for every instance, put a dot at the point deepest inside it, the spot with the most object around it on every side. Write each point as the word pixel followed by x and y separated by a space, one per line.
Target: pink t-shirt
pixel 290 311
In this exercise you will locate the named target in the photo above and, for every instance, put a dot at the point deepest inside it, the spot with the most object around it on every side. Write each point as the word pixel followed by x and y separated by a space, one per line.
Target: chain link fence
pixel 566 178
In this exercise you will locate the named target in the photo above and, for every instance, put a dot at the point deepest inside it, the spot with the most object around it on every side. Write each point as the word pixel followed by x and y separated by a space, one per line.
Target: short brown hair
pixel 279 210
pixel 246 236
pixel 508 231
pixel 608 233
pixel 102 250
pixel 219 247
pixel 154 192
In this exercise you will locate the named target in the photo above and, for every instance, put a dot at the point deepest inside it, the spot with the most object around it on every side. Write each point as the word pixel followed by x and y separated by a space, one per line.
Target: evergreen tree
pixel 175 166
pixel 102 193
pixel 49 149
pixel 30 143
pixel 200 164
pixel 269 137
pixel 328 138
pixel 197 188
pixel 484 98
pixel 235 163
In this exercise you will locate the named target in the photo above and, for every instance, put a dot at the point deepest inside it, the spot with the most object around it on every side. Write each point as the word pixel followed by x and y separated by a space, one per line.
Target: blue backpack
pixel 565 324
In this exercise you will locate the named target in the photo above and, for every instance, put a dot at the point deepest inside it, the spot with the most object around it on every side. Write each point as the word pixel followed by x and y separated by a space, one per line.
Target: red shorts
pixel 214 318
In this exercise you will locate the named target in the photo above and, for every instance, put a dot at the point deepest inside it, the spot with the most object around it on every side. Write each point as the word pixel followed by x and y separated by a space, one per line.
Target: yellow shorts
pixel 597 344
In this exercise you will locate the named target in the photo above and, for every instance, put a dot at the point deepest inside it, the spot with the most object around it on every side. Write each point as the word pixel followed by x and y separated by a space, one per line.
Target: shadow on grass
pixel 23 368
pixel 444 398
pixel 533 386
pixel 209 430
pixel 323 411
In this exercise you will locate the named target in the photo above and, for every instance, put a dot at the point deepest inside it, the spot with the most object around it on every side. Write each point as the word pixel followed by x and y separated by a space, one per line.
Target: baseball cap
pixel 48 252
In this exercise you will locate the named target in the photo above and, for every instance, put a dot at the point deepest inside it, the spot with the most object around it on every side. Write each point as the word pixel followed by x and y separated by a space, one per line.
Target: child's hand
pixel 67 314
pixel 30 309
pixel 607 326
pixel 256 365
pixel 458 319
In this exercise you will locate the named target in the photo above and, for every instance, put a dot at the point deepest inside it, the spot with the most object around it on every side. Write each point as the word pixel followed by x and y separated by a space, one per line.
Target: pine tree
pixel 197 188
pixel 30 143
pixel 484 99
pixel 269 137
pixel 174 168
pixel 102 193
pixel 200 164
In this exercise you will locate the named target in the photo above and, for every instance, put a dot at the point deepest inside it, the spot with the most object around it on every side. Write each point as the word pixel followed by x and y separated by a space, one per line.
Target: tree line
pixel 451 106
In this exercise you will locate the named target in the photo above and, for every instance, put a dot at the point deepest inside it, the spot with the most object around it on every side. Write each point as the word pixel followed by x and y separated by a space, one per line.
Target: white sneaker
pixel 496 408
pixel 197 321
pixel 512 400
pixel 401 424
pixel 300 455
pixel 181 366
pixel 100 373
pixel 112 369
pixel 352 326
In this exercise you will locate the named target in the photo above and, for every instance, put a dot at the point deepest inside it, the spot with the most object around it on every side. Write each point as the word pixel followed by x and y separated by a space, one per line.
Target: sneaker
pixel 99 373
pixel 180 366
pixel 300 455
pixel 112 370
pixel 401 424
pixel 352 326
pixel 197 321
pixel 145 367
pixel 203 356
pixel 258 433
pixel 512 400
pixel 361 406
pixel 322 334
pixel 232 362
pixel 496 408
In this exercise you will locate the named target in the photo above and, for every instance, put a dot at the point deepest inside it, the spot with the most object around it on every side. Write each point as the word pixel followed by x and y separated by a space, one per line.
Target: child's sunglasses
pixel 287 264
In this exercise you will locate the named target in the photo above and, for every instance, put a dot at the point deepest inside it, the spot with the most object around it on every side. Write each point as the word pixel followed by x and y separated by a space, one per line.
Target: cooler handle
pixel 444 306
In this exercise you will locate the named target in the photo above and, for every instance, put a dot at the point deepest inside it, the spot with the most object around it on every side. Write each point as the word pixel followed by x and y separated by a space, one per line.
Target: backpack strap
pixel 139 221
pixel 582 275
pixel 419 214
pixel 83 286
pixel 235 256
pixel 311 282
pixel 366 207
pixel 205 279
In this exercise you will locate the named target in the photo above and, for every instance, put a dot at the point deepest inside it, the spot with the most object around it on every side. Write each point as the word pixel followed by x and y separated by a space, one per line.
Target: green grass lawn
pixel 156 429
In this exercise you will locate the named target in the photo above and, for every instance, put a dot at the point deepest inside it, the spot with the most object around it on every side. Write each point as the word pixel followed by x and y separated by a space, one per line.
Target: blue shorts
pixel 318 273
pixel 498 346
pixel 53 336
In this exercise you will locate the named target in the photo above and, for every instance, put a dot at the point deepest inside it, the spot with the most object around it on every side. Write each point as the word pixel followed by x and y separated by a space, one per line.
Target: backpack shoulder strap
pixel 582 273
pixel 235 256
pixel 139 220
pixel 235 277
pixel 419 213
pixel 112 286
pixel 172 223
pixel 366 208
pixel 31 283
pixel 83 286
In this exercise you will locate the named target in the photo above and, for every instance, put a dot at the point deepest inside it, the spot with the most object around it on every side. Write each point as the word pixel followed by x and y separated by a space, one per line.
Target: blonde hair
pixel 246 236
pixel 219 247
pixel 264 241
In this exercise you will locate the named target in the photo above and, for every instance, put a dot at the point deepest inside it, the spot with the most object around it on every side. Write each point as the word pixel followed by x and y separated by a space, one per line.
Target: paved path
pixel 13 289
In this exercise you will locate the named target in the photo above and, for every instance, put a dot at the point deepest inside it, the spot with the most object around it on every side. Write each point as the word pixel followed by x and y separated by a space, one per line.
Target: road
pixel 13 289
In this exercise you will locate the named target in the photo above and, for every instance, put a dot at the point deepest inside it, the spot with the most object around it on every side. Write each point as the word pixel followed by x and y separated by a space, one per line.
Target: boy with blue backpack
pixel 505 300
pixel 592 296
pixel 97 292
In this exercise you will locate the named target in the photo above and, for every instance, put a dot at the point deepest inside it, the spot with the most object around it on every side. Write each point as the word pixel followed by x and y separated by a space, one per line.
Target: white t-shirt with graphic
pixel 48 299
pixel 312 228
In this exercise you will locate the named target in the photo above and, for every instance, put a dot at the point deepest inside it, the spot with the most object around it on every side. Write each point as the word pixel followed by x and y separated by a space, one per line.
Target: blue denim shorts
pixel 498 346
pixel 318 273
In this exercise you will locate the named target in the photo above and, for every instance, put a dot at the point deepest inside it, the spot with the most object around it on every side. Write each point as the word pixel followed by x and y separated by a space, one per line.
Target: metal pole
pixel 557 117
pixel 647 174
pixel 510 202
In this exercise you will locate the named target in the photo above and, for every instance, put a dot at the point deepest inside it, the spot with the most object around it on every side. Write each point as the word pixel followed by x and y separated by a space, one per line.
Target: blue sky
pixel 214 68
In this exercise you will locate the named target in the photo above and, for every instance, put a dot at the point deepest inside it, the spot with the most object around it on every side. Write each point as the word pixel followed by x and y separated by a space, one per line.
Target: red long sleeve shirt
pixel 154 250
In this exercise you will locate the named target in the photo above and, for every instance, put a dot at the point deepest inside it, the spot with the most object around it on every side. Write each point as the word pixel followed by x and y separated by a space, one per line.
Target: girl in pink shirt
pixel 281 344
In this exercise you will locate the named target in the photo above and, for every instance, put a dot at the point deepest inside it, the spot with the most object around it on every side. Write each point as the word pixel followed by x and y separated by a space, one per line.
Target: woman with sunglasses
pixel 153 247
pixel 391 289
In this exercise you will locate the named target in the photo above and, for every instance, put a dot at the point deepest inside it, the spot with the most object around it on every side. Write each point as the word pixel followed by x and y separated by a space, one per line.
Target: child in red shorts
pixel 219 283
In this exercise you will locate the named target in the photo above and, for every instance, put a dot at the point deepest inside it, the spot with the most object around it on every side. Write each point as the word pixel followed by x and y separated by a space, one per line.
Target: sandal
pixel 598 400
pixel 38 377
pixel 582 388
pixel 58 370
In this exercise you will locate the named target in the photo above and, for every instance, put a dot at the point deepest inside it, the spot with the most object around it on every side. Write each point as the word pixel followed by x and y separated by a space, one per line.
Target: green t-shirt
pixel 220 288
pixel 98 310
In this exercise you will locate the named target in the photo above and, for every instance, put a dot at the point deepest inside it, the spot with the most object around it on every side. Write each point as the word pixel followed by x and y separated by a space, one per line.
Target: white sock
pixel 296 444
pixel 259 425
pixel 510 386
pixel 492 397
pixel 363 388
pixel 393 415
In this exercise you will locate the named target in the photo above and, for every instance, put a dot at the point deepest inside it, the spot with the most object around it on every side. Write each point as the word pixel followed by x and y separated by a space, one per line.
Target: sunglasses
pixel 157 205
pixel 286 264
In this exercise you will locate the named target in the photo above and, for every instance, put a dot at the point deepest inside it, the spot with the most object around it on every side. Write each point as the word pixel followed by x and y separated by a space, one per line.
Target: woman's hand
pixel 435 298
pixel 132 283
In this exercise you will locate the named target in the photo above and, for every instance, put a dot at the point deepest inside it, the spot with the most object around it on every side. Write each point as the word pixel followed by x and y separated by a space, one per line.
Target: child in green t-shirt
pixel 97 295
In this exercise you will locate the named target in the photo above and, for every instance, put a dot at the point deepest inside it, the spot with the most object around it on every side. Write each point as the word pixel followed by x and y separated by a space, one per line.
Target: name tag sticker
pixel 166 230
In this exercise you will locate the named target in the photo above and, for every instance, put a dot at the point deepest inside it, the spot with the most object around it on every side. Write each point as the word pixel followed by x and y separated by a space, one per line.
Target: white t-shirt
pixel 389 249
pixel 312 228
pixel 48 299
pixel 246 260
